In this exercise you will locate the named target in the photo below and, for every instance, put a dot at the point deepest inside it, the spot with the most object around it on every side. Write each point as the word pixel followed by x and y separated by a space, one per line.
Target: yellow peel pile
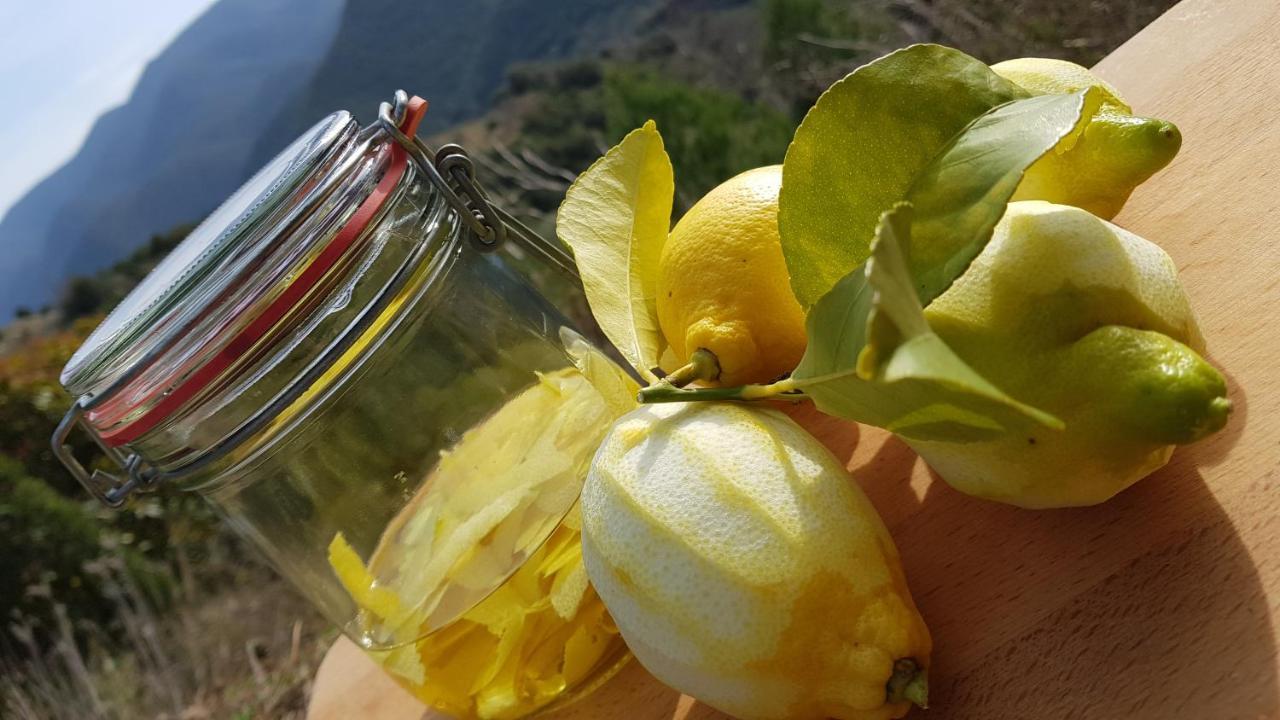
pixel 476 599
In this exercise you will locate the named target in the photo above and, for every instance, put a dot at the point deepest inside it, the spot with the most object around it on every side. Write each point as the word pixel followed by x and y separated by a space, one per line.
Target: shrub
pixel 710 135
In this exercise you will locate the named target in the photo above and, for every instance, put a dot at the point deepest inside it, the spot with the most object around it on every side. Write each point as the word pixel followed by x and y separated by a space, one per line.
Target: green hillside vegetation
pixel 727 82
pixel 710 134
pixel 87 295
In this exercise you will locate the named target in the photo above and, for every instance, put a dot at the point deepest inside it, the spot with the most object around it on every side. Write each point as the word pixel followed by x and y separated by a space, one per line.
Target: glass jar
pixel 336 361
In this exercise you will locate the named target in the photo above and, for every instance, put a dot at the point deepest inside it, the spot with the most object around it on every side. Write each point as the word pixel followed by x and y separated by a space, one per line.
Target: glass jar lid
pixel 240 283
pixel 205 263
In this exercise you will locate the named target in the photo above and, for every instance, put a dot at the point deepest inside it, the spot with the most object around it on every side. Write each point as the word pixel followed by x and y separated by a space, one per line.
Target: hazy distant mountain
pixel 172 151
pixel 241 82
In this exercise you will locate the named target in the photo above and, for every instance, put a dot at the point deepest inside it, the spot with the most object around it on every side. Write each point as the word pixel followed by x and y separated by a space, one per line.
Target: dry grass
pixel 247 652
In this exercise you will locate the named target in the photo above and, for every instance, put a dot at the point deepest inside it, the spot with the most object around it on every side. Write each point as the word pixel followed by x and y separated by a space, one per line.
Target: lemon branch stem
pixel 663 393
pixel 909 683
pixel 703 365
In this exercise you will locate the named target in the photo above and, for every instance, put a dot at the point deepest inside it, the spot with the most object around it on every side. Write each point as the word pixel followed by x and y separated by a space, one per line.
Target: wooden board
pixel 1159 603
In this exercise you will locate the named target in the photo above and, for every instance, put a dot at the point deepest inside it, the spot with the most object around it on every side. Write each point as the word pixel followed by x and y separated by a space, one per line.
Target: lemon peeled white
pixel 1087 321
pixel 743 567
pixel 1117 152
pixel 723 284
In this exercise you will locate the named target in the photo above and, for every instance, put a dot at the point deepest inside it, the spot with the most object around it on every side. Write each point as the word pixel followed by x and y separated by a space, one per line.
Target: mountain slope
pixel 244 80
pixel 173 150
pixel 455 54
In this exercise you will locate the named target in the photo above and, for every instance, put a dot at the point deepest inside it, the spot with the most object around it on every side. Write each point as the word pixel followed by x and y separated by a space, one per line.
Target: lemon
pixel 723 283
pixel 743 567
pixel 1045 76
pixel 1117 152
pixel 1087 321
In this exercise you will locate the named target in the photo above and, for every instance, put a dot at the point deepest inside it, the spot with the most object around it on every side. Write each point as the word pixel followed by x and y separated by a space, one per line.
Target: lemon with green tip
pixel 743 567
pixel 723 284
pixel 1117 151
pixel 1089 322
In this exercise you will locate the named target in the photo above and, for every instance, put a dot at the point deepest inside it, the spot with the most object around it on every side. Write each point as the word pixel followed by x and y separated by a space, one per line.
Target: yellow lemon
pixel 1089 322
pixel 1117 152
pixel 743 567
pixel 723 283
pixel 1045 76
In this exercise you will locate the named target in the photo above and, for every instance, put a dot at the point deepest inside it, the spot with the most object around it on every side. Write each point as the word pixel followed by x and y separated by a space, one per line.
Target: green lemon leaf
pixel 872 357
pixel 961 195
pixel 862 146
pixel 615 218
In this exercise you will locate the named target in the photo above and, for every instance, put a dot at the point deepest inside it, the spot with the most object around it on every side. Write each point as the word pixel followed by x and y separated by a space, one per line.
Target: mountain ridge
pixel 240 83
pixel 166 155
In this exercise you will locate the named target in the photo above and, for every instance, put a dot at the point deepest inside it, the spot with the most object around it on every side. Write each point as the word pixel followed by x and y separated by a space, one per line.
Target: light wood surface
pixel 1159 603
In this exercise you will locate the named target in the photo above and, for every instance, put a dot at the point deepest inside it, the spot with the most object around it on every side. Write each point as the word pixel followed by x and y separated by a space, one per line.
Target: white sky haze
pixel 65 62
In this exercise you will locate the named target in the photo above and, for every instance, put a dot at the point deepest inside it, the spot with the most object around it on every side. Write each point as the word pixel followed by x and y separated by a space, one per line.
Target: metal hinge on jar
pixel 109 489
pixel 451 171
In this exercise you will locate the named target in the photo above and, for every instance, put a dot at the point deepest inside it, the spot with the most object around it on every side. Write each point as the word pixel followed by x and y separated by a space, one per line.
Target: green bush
pixel 588 106
pixel 710 135
pixel 28 417
pixel 50 538
pixel 785 20
pixel 83 296
pixel 566 121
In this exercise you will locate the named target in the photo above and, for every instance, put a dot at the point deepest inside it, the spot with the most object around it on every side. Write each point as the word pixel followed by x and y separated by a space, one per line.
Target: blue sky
pixel 62 64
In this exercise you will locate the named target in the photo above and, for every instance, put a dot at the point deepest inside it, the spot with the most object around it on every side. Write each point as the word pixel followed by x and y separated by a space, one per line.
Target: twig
pixel 70 654
pixel 938 20
pixel 295 643
pixel 519 171
pixel 601 146
pixel 540 163
pixel 251 647
pixel 838 43
pixel 930 16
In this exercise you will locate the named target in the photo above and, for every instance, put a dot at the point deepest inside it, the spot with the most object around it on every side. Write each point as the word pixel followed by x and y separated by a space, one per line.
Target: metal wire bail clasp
pixel 451 171
pixel 109 489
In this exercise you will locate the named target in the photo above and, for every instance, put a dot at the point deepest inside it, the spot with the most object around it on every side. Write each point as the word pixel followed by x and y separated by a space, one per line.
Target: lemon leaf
pixel 615 218
pixel 862 146
pixel 616 387
pixel 963 193
pixel 873 358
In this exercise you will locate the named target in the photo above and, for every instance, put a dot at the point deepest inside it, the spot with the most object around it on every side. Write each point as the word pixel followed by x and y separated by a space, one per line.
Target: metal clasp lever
pixel 451 171
pixel 109 489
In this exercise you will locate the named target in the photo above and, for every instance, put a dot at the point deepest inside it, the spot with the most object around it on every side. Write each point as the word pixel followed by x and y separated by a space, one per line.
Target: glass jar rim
pixel 257 313
pixel 159 308
pixel 251 268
